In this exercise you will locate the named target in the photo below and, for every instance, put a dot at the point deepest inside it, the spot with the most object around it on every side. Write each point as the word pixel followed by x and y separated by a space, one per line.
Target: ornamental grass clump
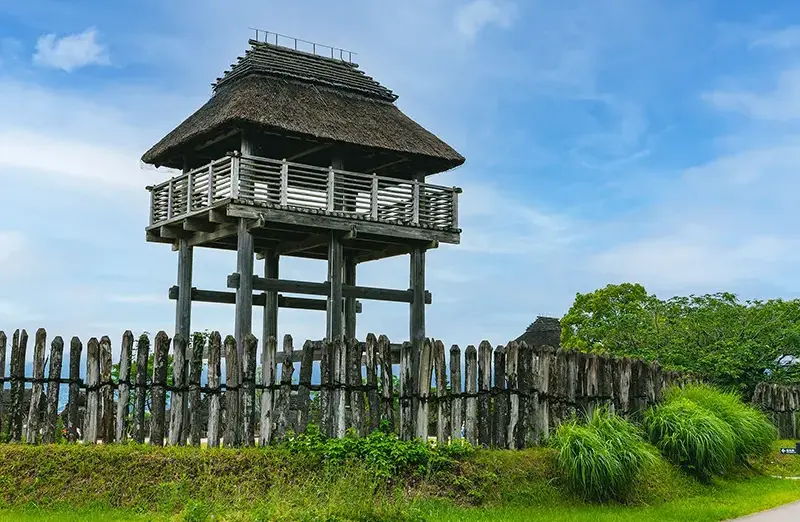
pixel 601 458
pixel 753 433
pixel 691 436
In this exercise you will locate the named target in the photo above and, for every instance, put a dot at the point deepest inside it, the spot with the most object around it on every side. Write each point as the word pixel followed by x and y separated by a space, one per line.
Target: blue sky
pixel 606 141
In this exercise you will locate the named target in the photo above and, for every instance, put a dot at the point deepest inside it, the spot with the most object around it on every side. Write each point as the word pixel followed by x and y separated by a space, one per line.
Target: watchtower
pixel 299 153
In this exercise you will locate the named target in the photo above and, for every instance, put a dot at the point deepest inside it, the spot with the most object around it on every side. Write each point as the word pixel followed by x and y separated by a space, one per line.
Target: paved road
pixel 787 513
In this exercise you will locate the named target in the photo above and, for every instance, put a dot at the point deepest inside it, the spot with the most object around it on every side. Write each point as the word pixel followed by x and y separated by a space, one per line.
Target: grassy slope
pixel 140 483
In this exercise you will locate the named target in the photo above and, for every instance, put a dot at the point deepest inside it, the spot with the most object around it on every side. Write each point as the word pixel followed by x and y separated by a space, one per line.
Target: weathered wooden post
pixel 75 349
pixel 372 358
pixel 326 388
pixel 214 389
pixel 283 401
pixel 406 391
pixel 35 406
pixel 512 378
pixel 356 396
pixel 107 428
pixel 525 386
pixel 339 381
pixel 471 388
pixel 501 398
pixel 158 391
pixel 424 387
pixel 3 340
pixel 455 393
pixel 195 393
pixel 124 383
pixel 92 421
pixel 441 391
pixel 53 386
pixel 248 398
pixel 546 359
pixel 484 393
pixel 232 384
pixel 176 400
pixel 19 344
pixel 304 385
pixel 387 381
pixel 140 390
pixel 268 370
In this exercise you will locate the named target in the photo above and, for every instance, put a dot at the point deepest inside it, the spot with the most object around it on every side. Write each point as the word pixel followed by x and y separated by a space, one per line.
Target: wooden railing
pixel 284 184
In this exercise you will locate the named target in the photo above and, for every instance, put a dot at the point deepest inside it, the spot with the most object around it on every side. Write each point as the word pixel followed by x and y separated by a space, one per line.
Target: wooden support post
pixel 195 395
pixel 417 285
pixel 387 381
pixel 424 387
pixel 124 383
pixel 350 302
pixel 283 400
pixel 107 428
pixel 140 390
pixel 183 306
pixel 455 388
pixel 92 416
pixel 3 340
pixel 232 383
pixel 158 391
pixel 75 349
pixel 268 371
pixel 304 388
pixel 371 359
pixel 334 310
pixel 501 400
pixel 355 395
pixel 406 392
pixel 271 271
pixel 19 346
pixel 244 292
pixel 53 386
pixel 214 343
pixel 35 406
pixel 248 393
pixel 177 396
pixel 471 388
pixel 339 368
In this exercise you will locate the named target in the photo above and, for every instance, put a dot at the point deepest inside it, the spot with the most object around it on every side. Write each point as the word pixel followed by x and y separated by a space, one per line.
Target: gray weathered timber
pixel 124 382
pixel 525 386
pixel 158 390
pixel 781 404
pixel 387 381
pixel 371 363
pixel 339 382
pixel 232 403
pixel 195 395
pixel 355 395
pixel 259 299
pixel 214 382
pixel 500 415
pixel 35 406
pixel 531 412
pixel 406 391
pixel 19 345
pixel 183 306
pixel 283 401
pixel 53 386
pixel 512 378
pixel 268 371
pixel 140 390
pixel 177 395
pixel 248 394
pixel 271 298
pixel 416 333
pixel 326 392
pixel 334 325
pixel 304 386
pixel 92 418
pixel 440 369
pixel 107 410
pixel 471 389
pixel 455 389
pixel 546 361
pixel 484 393
pixel 3 341
pixel 75 349
pixel 349 302
pixel 244 292
pixel 311 288
pixel 424 389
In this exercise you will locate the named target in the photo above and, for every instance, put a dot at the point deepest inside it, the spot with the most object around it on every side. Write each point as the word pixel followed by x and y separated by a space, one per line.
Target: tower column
pixel 350 302
pixel 271 263
pixel 334 305
pixel 244 293
pixel 183 307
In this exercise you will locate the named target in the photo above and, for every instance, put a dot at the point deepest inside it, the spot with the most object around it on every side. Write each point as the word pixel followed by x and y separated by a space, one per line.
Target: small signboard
pixel 791 451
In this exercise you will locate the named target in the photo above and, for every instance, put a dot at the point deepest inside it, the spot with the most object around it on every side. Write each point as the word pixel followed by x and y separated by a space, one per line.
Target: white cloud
pixel 780 104
pixel 70 52
pixel 786 38
pixel 471 18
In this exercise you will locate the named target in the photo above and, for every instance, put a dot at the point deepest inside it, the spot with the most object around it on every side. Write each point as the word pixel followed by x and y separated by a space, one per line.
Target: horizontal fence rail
pixel 509 396
pixel 284 184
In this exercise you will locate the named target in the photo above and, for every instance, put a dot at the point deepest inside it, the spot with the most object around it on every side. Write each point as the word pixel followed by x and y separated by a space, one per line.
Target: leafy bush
pixel 382 452
pixel 753 433
pixel 691 436
pixel 601 458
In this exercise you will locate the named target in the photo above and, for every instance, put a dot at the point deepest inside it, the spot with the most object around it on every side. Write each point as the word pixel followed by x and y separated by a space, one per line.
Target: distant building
pixel 545 331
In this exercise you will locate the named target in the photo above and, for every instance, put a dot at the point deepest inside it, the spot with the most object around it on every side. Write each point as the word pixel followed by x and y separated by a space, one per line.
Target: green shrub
pixel 753 433
pixel 691 436
pixel 601 458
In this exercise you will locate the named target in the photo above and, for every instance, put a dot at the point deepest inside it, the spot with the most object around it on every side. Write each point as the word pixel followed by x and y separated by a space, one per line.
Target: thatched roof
pixel 290 92
pixel 545 331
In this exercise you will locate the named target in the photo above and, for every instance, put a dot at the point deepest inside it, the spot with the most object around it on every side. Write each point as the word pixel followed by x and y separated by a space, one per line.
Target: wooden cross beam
pixel 297 303
pixel 305 287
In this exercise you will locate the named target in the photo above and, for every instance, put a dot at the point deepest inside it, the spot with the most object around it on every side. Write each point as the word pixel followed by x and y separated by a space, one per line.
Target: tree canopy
pixel 734 343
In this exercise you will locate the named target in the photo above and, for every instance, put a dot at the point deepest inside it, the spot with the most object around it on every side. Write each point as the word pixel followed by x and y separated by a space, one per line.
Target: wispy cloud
pixel 70 52
pixel 786 38
pixel 470 19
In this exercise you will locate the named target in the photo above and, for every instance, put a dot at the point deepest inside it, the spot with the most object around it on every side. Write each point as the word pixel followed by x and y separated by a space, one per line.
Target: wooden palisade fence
pixel 782 405
pixel 512 397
